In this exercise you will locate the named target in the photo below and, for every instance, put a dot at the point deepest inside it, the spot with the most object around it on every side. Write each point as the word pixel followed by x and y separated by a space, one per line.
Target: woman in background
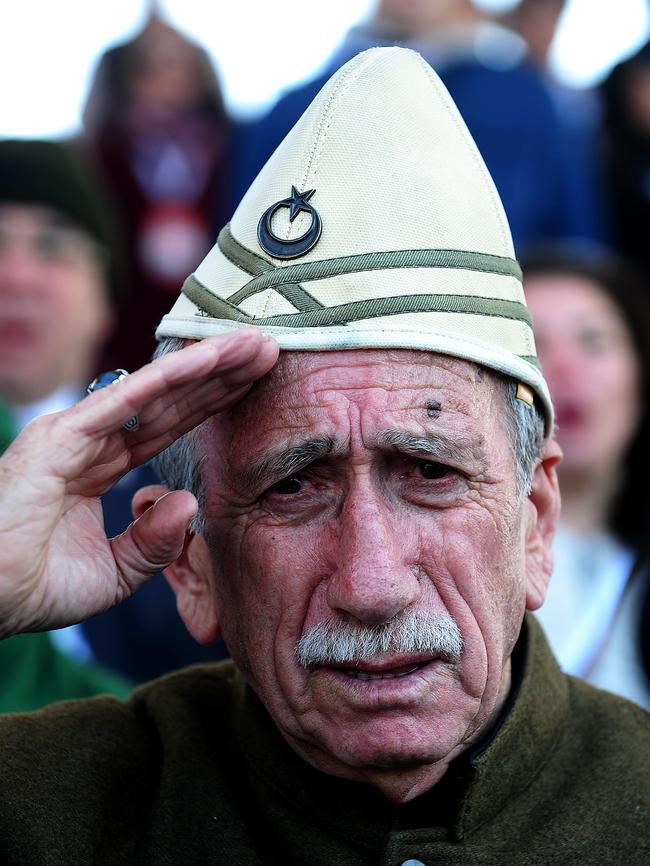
pixel 593 337
pixel 157 127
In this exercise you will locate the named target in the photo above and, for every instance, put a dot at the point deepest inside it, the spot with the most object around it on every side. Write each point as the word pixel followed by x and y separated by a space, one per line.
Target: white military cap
pixel 374 224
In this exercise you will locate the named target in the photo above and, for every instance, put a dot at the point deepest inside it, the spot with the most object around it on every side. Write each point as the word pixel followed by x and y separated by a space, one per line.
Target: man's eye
pixel 432 470
pixel 52 244
pixel 288 486
pixel 594 341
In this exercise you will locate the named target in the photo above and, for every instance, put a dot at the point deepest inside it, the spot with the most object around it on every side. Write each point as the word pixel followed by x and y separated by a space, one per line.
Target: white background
pixel 48 48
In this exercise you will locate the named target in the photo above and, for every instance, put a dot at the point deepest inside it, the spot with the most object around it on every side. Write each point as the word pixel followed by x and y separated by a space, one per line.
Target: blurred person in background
pixel 502 97
pixel 579 108
pixel 58 292
pixel 536 21
pixel 626 98
pixel 592 328
pixel 54 311
pixel 157 126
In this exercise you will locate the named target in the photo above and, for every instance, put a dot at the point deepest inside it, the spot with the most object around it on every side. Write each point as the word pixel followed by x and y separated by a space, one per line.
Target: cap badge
pixel 290 249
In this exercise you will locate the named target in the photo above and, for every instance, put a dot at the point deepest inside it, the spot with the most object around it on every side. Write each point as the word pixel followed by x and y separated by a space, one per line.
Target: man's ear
pixel 191 576
pixel 542 514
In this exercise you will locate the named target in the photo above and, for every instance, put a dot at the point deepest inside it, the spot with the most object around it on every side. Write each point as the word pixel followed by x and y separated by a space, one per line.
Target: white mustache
pixel 339 642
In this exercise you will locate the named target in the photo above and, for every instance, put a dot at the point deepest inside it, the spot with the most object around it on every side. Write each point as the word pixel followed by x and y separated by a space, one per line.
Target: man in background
pixel 58 297
pixel 54 313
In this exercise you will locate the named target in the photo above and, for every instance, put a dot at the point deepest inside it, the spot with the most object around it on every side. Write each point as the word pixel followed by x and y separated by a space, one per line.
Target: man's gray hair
pixel 526 426
pixel 179 466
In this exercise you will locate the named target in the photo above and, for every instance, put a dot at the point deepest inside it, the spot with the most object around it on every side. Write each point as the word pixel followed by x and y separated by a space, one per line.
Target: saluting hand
pixel 57 566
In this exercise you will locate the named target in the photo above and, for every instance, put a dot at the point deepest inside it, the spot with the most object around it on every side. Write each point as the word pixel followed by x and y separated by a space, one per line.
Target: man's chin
pixel 392 761
pixel 401 771
pixel 404 746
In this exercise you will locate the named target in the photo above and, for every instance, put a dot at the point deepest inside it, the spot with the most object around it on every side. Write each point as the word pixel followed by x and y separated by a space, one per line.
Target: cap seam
pixel 488 183
pixel 327 117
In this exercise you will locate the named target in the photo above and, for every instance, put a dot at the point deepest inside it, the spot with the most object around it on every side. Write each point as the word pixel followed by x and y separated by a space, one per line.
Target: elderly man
pixel 373 520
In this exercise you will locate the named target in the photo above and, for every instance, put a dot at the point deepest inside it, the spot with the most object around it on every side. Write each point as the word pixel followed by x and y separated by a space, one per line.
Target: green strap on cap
pixel 312 313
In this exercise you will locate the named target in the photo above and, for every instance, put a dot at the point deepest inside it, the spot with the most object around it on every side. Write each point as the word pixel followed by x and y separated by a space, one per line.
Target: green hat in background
pixel 58 175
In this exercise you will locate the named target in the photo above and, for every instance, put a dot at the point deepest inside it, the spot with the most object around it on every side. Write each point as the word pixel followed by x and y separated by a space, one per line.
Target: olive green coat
pixel 192 771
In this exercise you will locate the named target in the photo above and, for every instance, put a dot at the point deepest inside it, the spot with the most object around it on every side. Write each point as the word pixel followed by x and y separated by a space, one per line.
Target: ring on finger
pixel 110 378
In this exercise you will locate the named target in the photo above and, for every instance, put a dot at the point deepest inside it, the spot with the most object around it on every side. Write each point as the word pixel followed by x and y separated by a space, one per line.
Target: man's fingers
pixel 171 395
pixel 176 427
pixel 179 410
pixel 104 412
pixel 153 541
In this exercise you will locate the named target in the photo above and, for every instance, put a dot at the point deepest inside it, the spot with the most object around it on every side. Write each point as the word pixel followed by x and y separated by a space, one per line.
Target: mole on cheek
pixel 433 408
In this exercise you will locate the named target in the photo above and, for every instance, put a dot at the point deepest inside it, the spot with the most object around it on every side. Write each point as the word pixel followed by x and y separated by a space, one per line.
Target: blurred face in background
pixel 591 368
pixel 54 313
pixel 166 80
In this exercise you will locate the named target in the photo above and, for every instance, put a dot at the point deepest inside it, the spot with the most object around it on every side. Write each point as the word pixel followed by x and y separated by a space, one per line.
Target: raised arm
pixel 57 566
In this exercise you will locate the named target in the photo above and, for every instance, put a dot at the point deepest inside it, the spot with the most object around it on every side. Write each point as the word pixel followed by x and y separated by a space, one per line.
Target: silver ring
pixel 110 378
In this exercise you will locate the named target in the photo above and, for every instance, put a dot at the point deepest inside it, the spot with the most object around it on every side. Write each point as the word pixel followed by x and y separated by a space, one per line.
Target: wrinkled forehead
pixel 319 388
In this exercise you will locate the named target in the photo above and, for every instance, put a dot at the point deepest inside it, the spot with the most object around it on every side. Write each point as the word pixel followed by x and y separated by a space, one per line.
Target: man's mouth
pixel 379 669
pixel 17 333
pixel 393 674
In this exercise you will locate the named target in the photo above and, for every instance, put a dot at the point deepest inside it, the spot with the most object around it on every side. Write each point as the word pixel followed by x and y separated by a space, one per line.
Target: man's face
pixel 53 311
pixel 360 488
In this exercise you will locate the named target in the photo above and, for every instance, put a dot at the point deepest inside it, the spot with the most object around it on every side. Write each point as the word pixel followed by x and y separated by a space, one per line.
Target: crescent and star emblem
pixel 290 249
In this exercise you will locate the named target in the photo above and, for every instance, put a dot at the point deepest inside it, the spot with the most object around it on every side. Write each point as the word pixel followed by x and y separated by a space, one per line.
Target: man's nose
pixel 17 267
pixel 374 578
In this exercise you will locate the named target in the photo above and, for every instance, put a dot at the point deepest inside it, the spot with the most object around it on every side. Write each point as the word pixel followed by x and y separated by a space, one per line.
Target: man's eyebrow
pixel 283 462
pixel 433 445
